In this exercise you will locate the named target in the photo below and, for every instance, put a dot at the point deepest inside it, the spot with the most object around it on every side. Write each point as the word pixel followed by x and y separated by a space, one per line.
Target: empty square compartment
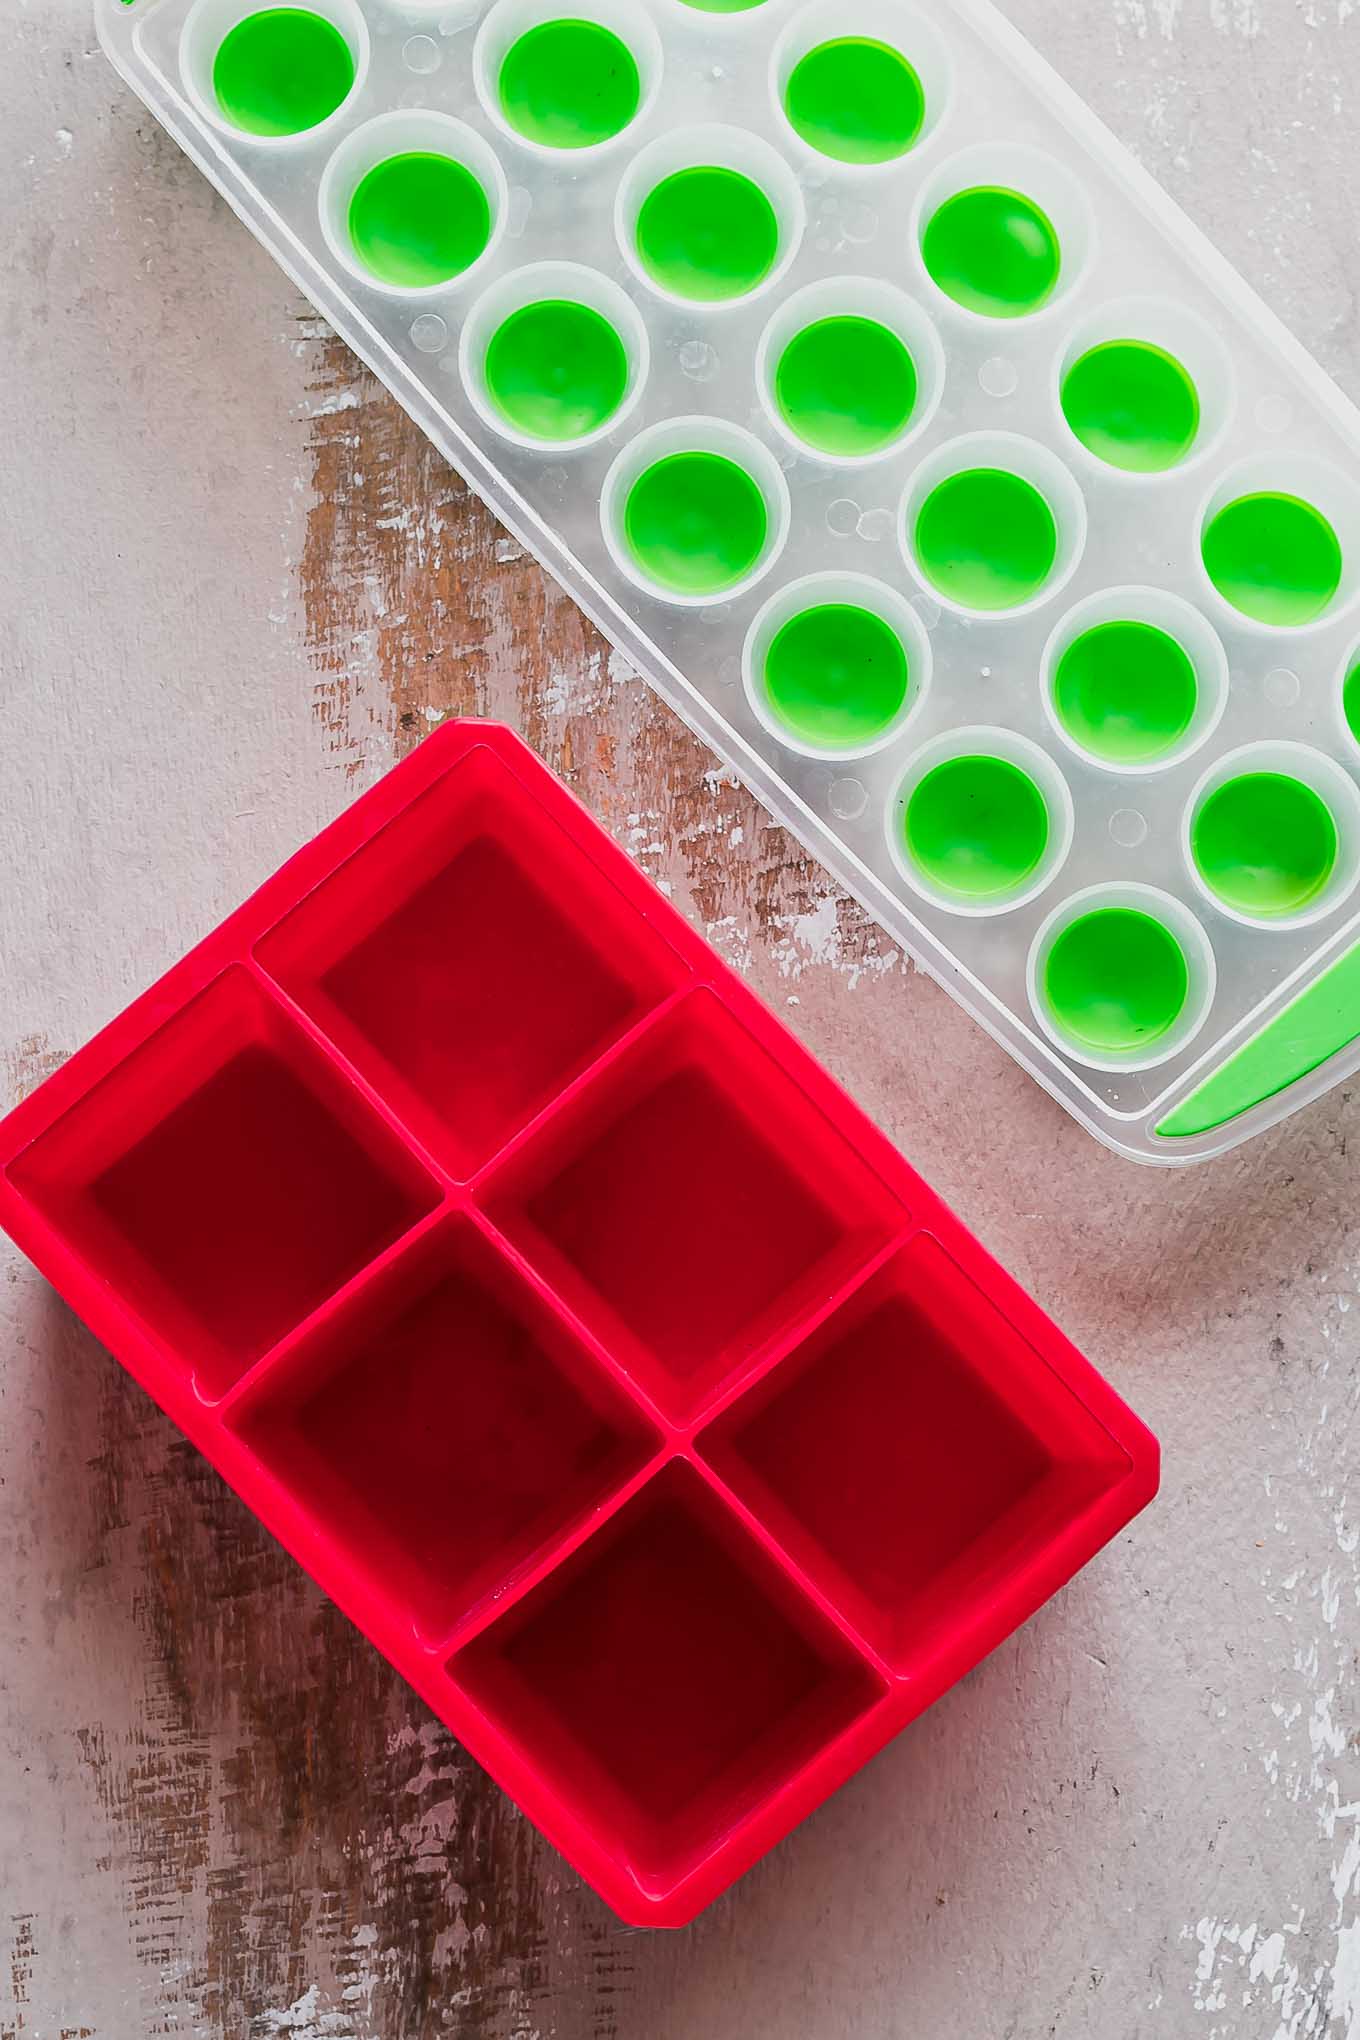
pixel 668 1678
pixel 692 1203
pixel 470 960
pixel 915 1455
pixel 443 1428
pixel 224 1180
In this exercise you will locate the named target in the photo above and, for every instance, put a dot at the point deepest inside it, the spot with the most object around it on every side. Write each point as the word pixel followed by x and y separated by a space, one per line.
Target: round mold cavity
pixel 1271 835
pixel 860 83
pixel 1277 544
pixel 981 821
pixel 1121 977
pixel 1001 232
pixel 992 524
pixel 849 370
pixel 1134 680
pixel 846 660
pixel 1348 698
pixel 422 193
pixel 554 356
pixel 708 215
pixel 565 80
pixel 695 511
pixel 1143 388
pixel 286 73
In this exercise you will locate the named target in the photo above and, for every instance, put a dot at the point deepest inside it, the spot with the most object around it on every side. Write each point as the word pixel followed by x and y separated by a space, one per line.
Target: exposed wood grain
pixel 419 606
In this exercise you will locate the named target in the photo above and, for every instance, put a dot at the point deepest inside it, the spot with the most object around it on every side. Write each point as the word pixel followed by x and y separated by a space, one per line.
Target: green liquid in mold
pixel 855 99
pixel 1350 701
pixel 986 539
pixel 1132 405
pixel 418 219
pixel 1274 557
pixel 1264 843
pixel 845 386
pixel 836 676
pixel 695 523
pixel 569 84
pixel 722 6
pixel 1126 692
pixel 976 827
pixel 993 251
pixel 556 370
pixel 1115 981
pixel 707 233
pixel 281 71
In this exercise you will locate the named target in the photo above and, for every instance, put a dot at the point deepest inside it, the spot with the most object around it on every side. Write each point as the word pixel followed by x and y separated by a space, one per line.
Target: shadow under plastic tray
pixel 566 1321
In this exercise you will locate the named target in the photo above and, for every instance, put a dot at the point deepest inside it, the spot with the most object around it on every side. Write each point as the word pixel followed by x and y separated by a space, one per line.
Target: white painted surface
pixel 1142 1816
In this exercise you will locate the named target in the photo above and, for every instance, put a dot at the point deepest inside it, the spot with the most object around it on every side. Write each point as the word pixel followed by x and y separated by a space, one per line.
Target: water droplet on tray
pixel 859 223
pixel 421 54
pixel 1128 828
pixel 429 333
pixel 847 799
pixel 698 361
pixel 997 377
pixel 875 525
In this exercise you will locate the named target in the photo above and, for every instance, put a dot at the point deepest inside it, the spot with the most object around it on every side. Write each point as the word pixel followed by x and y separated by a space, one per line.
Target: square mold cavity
pixel 915 1456
pixel 444 1427
pixel 667 1679
pixel 223 1181
pixel 470 961
pixel 691 1203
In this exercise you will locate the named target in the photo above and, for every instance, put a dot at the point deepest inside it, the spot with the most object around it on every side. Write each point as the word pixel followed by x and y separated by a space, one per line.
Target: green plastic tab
pixel 1312 1028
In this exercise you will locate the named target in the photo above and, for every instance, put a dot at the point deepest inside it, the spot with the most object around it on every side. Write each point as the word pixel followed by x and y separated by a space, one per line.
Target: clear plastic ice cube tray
pixel 908 440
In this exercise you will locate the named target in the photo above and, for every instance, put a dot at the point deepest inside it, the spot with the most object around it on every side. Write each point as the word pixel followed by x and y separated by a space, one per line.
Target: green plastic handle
pixel 1311 1028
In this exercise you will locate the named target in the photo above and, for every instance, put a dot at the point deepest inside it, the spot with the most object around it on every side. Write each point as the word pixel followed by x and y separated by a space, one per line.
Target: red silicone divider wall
pixel 568 1323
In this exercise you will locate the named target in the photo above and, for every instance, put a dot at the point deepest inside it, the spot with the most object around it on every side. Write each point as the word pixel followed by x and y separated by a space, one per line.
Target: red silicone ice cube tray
pixel 568 1323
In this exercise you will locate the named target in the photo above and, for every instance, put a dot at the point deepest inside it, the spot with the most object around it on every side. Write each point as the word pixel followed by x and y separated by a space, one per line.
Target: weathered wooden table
pixel 236 583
